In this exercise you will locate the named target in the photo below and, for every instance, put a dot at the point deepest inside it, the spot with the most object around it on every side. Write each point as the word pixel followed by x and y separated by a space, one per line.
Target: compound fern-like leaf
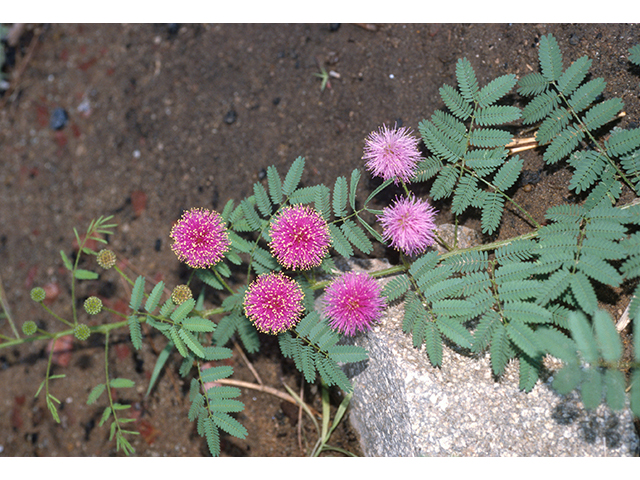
pixel 550 58
pixel 602 113
pixel 495 90
pixel 292 179
pixel 137 293
pixel 574 75
pixel 467 81
pixel 538 108
pixel 497 115
pixel 563 144
pixel 532 84
pixel 455 102
pixel 340 197
pixel 275 185
pixel 586 94
pixel 262 199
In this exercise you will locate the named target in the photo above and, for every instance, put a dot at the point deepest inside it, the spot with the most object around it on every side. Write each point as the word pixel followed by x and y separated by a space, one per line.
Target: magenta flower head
pixel 273 302
pixel 200 238
pixel 409 224
pixel 353 303
pixel 392 153
pixel 300 237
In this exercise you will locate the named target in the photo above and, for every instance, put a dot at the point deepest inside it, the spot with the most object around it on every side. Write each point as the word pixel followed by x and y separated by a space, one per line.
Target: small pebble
pixel 58 119
pixel 333 27
pixel 230 117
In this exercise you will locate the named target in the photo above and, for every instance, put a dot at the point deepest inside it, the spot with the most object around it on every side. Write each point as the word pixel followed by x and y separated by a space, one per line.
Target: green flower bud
pixel 38 294
pixel 180 294
pixel 93 305
pixel 29 327
pixel 82 332
pixel 106 258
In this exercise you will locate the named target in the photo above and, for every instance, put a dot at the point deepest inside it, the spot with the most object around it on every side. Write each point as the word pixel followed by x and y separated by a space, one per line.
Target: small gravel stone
pixel 58 119
pixel 230 117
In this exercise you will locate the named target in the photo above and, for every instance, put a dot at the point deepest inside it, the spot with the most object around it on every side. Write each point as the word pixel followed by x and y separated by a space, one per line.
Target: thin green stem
pixel 55 315
pixel 105 328
pixel 7 311
pixel 595 142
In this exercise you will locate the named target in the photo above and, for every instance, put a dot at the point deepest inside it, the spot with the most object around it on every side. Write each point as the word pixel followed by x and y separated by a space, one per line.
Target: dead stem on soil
pixel 264 389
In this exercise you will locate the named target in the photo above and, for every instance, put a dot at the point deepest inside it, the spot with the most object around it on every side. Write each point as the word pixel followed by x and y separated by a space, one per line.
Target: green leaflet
pixel 292 179
pixel 340 194
pixel 607 337
pixel 586 94
pixel 497 115
pixel 508 173
pixel 538 108
pixel 532 84
pixel 499 348
pixel 489 137
pixel 134 331
pixel 602 113
pixel 275 185
pixel 339 242
pixel 154 297
pixel 396 287
pixel 441 144
pixel 550 58
pixel 495 90
pixel 262 199
pixel 466 192
pixel 183 310
pixel 443 185
pixel 563 144
pixel 492 212
pixel 356 236
pixel 555 122
pixel 582 333
pixel 137 293
pixel 95 393
pixel 588 169
pixel 574 75
pixel 353 186
pixel 623 141
pixel 455 102
pixel 529 371
pixel 449 126
pixel 467 81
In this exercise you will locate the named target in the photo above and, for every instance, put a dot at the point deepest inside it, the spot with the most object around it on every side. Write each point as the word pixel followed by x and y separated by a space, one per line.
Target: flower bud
pixel 82 332
pixel 93 305
pixel 180 294
pixel 106 258
pixel 29 327
pixel 38 294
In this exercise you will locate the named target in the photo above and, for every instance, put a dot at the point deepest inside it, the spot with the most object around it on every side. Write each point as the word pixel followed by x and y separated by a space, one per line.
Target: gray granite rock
pixel 403 406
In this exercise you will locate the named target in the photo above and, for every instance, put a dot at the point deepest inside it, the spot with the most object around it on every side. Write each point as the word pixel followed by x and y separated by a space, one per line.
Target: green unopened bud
pixel 38 294
pixel 82 332
pixel 106 258
pixel 29 327
pixel 93 305
pixel 180 294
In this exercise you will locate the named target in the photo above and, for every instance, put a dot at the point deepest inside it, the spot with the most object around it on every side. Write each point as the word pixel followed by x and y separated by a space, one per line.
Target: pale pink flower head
pixel 409 224
pixel 300 237
pixel 200 238
pixel 392 153
pixel 274 303
pixel 353 303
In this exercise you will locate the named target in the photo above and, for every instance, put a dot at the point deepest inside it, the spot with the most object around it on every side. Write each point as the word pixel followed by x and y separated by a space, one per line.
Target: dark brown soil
pixel 162 119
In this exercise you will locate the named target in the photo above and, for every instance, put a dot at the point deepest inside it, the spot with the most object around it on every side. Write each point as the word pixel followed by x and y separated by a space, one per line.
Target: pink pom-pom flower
pixel 392 153
pixel 409 224
pixel 274 303
pixel 353 303
pixel 300 237
pixel 200 238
